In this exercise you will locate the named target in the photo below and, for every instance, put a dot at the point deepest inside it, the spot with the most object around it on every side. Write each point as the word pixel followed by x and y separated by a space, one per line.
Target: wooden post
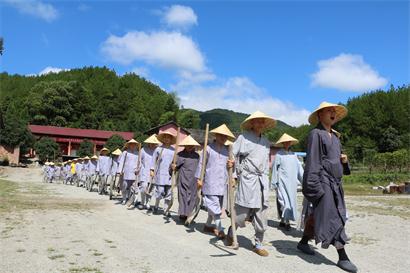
pixel 69 147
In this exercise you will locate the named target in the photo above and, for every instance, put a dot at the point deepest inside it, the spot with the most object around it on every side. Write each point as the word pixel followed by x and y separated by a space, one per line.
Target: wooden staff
pixel 232 202
pixel 197 207
pixel 174 176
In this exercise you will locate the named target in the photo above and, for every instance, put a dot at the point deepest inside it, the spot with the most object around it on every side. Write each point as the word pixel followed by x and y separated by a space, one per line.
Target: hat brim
pixel 341 112
pixel 269 123
pixel 161 136
pixel 280 144
pixel 229 137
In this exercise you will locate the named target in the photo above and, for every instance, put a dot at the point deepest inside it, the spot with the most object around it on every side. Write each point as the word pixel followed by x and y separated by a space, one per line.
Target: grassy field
pixel 24 196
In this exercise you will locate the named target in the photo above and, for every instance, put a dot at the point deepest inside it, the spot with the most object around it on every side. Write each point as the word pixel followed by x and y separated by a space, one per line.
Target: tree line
pixel 98 98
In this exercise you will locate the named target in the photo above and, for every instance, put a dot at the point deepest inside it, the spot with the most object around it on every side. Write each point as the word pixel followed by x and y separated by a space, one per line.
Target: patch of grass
pixel 113 246
pixel 21 250
pixel 58 256
pixel 391 205
pixel 360 189
pixel 50 249
pixel 108 241
pixel 77 254
pixel 77 241
pixel 362 240
pixel 381 179
pixel 27 196
pixel 97 254
pixel 84 269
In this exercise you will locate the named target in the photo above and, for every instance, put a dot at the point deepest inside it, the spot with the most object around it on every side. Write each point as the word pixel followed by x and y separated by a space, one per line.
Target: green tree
pixel 390 140
pixel 86 148
pixel 14 131
pixel 47 149
pixel 115 142
pixel 189 119
pixel 166 117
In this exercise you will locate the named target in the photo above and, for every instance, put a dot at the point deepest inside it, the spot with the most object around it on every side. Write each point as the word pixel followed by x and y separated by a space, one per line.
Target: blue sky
pixel 281 57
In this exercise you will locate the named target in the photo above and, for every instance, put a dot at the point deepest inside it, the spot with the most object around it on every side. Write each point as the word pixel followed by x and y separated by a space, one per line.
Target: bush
pixel 47 148
pixel 376 178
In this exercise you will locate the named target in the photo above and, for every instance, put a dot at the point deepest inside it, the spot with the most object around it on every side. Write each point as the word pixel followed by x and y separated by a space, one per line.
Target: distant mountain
pixel 233 120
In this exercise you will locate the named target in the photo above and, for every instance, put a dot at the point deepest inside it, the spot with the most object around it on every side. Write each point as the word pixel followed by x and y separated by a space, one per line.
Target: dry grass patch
pixel 26 196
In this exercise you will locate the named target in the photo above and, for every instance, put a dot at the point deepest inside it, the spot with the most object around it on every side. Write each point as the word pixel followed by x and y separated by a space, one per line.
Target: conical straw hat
pixel 223 130
pixel 132 141
pixel 117 152
pixel 269 122
pixel 94 157
pixel 152 140
pixel 228 142
pixel 161 135
pixel 51 163
pixel 189 141
pixel 104 150
pixel 341 112
pixel 286 138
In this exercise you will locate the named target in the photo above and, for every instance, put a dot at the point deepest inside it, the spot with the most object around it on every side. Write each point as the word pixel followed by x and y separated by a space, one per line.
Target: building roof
pixel 156 129
pixel 75 132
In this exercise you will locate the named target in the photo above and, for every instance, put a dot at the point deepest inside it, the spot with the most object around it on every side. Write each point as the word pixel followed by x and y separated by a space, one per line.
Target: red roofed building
pixel 69 139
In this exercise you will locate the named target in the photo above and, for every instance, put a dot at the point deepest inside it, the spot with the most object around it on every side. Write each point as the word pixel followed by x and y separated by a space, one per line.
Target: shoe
pixel 305 248
pixel 140 207
pixel 261 252
pixel 209 229
pixel 221 235
pixel 167 214
pixel 282 225
pixel 155 211
pixel 288 227
pixel 123 202
pixel 347 265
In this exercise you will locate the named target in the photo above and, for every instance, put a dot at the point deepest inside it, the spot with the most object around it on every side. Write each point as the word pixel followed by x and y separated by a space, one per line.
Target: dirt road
pixel 59 228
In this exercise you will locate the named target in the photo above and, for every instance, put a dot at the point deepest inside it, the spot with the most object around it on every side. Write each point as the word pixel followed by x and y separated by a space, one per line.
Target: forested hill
pixel 90 97
pixel 97 98
pixel 232 119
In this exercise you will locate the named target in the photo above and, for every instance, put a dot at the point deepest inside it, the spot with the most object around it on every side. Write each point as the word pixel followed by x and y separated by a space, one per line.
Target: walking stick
pixel 197 207
pixel 174 175
pixel 232 202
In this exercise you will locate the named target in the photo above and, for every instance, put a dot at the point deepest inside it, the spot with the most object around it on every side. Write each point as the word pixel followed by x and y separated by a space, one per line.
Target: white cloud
pixel 171 50
pixel 242 95
pixel 35 8
pixel 50 69
pixel 141 71
pixel 179 16
pixel 347 72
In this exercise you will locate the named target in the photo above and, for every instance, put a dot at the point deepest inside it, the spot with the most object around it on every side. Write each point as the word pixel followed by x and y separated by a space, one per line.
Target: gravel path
pixel 77 231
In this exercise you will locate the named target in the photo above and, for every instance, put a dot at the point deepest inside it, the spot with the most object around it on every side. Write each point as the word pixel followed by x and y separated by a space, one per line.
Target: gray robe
pixel 252 167
pixel 216 172
pixel 187 164
pixel 322 185
pixel 287 173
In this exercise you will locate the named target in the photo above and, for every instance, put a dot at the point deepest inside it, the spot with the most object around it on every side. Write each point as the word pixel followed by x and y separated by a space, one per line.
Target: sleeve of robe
pixel 312 187
pixel 199 168
pixel 121 162
pixel 346 166
pixel 275 173
pixel 154 159
pixel 300 173
pixel 237 152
